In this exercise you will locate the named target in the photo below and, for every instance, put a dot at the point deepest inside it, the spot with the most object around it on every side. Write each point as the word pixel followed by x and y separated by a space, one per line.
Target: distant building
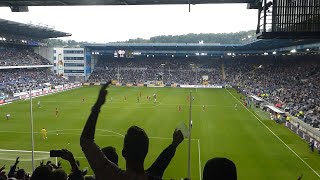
pixel 69 63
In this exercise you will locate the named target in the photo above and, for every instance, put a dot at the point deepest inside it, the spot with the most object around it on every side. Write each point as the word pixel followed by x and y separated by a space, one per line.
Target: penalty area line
pixel 275 135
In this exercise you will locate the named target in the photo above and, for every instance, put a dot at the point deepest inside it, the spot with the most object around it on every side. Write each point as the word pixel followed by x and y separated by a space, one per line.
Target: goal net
pixel 8 158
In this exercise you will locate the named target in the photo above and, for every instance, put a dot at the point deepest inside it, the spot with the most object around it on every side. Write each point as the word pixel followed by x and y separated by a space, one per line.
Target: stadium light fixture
pixel 172 55
pixel 274 52
pixel 266 54
pixel 147 55
pixel 307 49
pixel 187 56
pixel 293 51
pixel 153 55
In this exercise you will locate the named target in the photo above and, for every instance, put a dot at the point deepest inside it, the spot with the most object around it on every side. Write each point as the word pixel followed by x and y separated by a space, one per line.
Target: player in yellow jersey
pixel 44 133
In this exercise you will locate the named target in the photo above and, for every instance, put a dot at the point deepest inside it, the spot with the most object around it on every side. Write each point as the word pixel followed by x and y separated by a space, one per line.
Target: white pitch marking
pixel 199 158
pixel 276 136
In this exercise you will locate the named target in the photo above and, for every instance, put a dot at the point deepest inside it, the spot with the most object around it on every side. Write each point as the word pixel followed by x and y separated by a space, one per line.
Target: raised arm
pixel 90 127
pixel 160 165
pixel 13 168
pixel 76 173
pixel 101 166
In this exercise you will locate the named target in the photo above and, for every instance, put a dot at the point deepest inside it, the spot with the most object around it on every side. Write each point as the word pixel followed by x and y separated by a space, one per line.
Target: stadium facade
pixel 69 63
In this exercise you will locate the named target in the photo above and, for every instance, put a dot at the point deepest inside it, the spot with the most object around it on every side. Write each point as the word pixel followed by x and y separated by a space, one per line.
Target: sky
pixel 120 23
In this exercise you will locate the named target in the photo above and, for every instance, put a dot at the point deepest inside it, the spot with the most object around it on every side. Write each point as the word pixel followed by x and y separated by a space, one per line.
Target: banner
pixel 201 86
pixel 302 134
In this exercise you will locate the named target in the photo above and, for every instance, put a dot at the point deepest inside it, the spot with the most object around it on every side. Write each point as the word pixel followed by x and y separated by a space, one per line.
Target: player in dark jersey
pixel 179 108
pixel 57 112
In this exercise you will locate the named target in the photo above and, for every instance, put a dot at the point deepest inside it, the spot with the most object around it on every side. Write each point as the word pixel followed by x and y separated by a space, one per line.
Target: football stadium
pixel 247 110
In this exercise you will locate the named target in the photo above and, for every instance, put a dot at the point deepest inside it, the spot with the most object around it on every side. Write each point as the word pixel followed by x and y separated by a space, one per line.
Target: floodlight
pixel 274 52
pixel 307 49
pixel 293 51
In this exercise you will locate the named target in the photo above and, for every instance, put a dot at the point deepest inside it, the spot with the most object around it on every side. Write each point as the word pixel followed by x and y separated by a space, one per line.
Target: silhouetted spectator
pixel 42 172
pixel 59 174
pixel 111 154
pixel 219 169
pixel 135 149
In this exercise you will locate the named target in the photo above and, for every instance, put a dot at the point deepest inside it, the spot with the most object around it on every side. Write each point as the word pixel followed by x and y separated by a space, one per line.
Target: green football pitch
pixel 260 148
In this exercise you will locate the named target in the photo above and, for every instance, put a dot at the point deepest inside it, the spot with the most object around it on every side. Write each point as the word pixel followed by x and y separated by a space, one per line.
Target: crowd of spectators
pixel 46 171
pixel 169 70
pixel 20 57
pixel 291 82
pixel 20 80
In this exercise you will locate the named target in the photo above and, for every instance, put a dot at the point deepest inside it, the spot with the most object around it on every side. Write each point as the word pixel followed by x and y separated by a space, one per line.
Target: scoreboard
pixel 123 54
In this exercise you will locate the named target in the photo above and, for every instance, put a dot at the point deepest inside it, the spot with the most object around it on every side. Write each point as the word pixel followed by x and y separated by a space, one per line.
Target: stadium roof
pixel 112 2
pixel 29 30
pixel 257 45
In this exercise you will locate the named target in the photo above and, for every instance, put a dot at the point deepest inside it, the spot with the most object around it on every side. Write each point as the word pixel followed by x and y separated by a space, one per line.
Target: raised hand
pixel 103 93
pixel 17 160
pixel 59 164
pixel 67 155
pixel 177 137
pixel 2 168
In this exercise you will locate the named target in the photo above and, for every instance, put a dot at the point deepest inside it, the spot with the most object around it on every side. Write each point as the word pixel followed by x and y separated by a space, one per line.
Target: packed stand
pixel 169 70
pixel 20 80
pixel 291 82
pixel 20 57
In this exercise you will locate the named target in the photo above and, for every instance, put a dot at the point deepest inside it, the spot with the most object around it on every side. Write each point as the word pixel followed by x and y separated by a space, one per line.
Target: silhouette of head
pixel 136 145
pixel 41 172
pixel 21 173
pixel 111 154
pixel 220 169
pixel 59 174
